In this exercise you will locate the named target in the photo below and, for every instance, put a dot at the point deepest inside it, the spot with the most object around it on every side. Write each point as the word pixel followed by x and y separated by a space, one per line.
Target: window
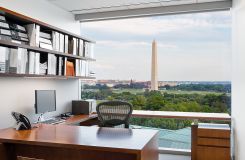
pixel 194 67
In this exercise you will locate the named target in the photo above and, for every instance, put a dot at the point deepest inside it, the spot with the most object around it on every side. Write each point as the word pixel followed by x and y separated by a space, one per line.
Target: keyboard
pixel 53 121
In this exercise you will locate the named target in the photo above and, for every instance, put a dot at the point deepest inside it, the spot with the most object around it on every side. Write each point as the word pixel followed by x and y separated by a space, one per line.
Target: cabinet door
pixel 213 153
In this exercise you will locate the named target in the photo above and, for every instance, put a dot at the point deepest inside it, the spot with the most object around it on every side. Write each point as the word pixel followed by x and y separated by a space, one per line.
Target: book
pixel 37 63
pixel 5 38
pixel 24 61
pixel 19 41
pixel 70 46
pixel 4 25
pixel 81 47
pixel 17 27
pixel 5 32
pixel 37 35
pixel 62 42
pixel 7 60
pixel 4 53
pixel 31 67
pixel 13 60
pixel 77 67
pixel 19 36
pixel 66 45
pixel 86 49
pixel 60 66
pixel 33 31
pixel 45 35
pixel 64 66
pixel 2 18
pixel 53 40
pixel 52 64
pixel 57 39
pixel 44 40
pixel 18 60
pixel 74 46
pixel 46 46
pixel 83 68
pixel 80 68
pixel 70 71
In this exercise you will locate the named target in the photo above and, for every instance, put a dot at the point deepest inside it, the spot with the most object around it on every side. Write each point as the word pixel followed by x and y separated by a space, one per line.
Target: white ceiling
pixel 94 6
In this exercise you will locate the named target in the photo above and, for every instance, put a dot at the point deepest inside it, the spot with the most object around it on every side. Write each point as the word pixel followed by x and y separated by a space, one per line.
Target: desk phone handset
pixel 23 122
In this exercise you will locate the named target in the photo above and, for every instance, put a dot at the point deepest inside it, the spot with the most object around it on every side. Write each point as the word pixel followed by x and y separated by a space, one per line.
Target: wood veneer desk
pixel 66 142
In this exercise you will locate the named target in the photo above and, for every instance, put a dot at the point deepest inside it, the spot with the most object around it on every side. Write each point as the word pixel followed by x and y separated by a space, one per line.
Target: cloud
pixel 101 65
pixel 191 47
pixel 161 24
pixel 109 43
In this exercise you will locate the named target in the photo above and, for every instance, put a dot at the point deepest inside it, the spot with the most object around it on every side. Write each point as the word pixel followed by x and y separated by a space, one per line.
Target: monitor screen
pixel 45 101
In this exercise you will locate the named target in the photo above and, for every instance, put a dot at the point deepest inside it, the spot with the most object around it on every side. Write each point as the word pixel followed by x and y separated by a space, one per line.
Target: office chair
pixel 114 113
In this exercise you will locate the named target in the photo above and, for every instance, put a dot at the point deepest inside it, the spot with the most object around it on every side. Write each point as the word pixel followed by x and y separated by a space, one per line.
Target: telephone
pixel 23 122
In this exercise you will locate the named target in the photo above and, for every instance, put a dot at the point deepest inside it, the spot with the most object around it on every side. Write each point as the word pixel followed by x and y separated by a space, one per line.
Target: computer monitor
pixel 45 101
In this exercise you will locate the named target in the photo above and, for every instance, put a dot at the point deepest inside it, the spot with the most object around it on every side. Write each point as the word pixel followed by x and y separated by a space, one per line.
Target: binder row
pixel 22 61
pixel 38 36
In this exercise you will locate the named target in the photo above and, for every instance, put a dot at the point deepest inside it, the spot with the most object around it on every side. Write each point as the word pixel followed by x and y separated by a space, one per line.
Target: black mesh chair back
pixel 114 113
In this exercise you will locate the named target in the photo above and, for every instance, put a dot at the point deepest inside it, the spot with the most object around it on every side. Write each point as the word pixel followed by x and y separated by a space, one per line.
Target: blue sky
pixel 193 47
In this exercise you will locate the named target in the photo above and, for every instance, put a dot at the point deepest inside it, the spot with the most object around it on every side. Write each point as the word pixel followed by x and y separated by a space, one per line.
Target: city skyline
pixel 192 47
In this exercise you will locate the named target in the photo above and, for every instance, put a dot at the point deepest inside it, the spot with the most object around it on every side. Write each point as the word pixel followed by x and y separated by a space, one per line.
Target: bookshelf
pixel 43 76
pixel 23 20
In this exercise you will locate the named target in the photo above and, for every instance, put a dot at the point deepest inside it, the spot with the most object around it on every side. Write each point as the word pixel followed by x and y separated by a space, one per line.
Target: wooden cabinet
pixel 210 142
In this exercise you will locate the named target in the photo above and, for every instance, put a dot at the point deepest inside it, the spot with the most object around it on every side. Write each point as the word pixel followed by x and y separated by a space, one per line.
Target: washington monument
pixel 154 70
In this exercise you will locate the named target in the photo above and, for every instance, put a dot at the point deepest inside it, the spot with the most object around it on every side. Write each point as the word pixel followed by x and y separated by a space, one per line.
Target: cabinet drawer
pixel 213 142
pixel 213 133
pixel 213 153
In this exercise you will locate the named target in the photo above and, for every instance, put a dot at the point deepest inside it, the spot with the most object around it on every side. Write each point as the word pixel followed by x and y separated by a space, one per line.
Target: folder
pixel 31 68
pixel 33 32
pixel 81 47
pixel 66 44
pixel 4 25
pixel 2 18
pixel 5 32
pixel 74 46
pixel 45 35
pixel 70 69
pixel 62 42
pixel 4 53
pixel 37 63
pixel 46 46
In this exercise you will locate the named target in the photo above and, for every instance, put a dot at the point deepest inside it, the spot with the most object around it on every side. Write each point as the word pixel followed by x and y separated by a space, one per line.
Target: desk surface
pixel 79 118
pixel 79 137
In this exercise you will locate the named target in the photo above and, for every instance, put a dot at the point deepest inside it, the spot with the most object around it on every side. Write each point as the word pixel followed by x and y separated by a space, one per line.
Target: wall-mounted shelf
pixel 41 50
pixel 43 76
pixel 22 20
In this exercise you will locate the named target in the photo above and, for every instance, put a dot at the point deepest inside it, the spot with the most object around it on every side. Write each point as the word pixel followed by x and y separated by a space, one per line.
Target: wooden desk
pixel 82 120
pixel 63 142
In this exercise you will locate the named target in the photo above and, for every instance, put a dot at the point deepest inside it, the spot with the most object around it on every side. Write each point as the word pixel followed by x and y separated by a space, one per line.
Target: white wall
pixel 238 78
pixel 17 94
